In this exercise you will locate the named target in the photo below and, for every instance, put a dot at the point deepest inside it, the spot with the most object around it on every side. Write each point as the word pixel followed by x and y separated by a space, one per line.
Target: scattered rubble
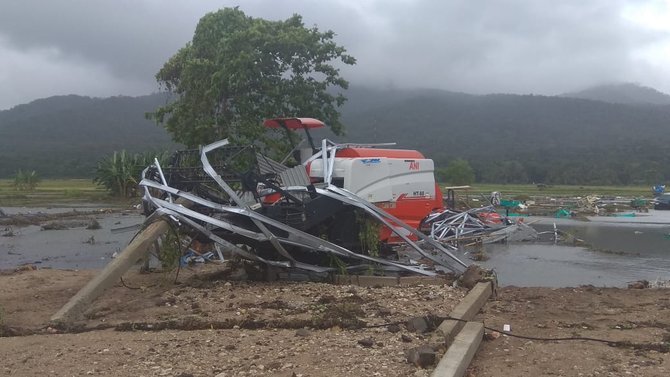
pixel 477 226
pixel 422 356
pixel 273 215
pixel 266 326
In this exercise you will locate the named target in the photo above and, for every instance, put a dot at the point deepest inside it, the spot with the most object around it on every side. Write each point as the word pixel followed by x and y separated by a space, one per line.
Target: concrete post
pixel 135 251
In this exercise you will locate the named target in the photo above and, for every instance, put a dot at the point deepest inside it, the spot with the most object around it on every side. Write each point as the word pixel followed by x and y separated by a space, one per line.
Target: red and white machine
pixel 401 182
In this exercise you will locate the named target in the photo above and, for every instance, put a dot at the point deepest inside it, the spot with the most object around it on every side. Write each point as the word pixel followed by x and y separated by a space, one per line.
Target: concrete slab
pixel 426 280
pixel 456 360
pixel 465 310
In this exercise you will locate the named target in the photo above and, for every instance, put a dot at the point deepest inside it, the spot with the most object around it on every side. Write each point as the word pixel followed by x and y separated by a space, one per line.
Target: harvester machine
pixel 345 208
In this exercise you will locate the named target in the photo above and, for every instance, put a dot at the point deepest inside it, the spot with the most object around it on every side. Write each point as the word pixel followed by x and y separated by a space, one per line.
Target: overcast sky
pixel 113 47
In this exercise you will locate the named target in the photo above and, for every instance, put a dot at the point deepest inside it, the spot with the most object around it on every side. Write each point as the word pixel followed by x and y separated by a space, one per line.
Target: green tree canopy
pixel 458 172
pixel 239 70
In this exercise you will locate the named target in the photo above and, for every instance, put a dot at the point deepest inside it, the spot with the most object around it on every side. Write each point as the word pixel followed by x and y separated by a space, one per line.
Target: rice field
pixel 50 192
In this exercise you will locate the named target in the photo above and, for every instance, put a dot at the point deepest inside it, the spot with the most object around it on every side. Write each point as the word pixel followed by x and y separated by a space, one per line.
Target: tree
pixel 458 172
pixel 239 70
pixel 503 172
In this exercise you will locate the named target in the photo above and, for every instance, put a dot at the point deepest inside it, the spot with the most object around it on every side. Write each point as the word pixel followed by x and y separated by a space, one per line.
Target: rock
pixel 25 267
pixel 9 331
pixel 406 338
pixel 326 299
pixel 366 342
pixel 393 328
pixel 472 275
pixel 493 335
pixel 302 332
pixel 417 324
pixel 422 356
pixel 274 365
pixel 384 312
pixel 640 284
pixel 93 224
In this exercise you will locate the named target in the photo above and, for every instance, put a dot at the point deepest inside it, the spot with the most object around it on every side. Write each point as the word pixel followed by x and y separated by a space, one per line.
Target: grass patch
pixel 561 190
pixel 51 192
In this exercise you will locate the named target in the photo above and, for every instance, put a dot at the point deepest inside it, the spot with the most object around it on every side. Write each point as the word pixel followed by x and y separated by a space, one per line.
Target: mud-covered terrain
pixel 209 321
pixel 208 325
pixel 638 318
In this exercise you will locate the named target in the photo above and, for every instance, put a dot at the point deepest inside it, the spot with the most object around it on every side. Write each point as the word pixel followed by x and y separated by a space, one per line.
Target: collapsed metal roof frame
pixel 205 224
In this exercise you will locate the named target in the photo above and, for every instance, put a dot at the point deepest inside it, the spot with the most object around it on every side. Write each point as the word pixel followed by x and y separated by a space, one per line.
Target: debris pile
pixel 477 225
pixel 254 208
pixel 451 226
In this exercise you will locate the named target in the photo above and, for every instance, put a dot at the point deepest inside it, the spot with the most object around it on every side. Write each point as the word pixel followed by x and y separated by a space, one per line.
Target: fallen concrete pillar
pixel 462 338
pixel 465 310
pixel 456 360
pixel 111 274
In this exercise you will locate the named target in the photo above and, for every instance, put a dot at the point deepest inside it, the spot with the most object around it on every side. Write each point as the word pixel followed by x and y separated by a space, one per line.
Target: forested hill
pixel 627 93
pixel 64 136
pixel 514 138
pixel 506 138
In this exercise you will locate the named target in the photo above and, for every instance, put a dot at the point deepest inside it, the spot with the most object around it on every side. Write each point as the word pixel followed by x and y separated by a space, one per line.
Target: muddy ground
pixel 209 325
pixel 638 316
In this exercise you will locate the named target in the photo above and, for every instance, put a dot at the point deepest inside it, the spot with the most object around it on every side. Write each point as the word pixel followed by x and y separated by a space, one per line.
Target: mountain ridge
pixel 67 135
pixel 622 93
pixel 506 137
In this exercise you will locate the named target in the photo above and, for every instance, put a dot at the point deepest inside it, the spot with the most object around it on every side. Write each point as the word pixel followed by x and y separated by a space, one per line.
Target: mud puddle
pixel 74 246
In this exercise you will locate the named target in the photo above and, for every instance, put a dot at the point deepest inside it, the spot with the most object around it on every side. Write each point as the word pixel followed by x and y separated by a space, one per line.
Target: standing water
pixel 620 249
pixel 617 250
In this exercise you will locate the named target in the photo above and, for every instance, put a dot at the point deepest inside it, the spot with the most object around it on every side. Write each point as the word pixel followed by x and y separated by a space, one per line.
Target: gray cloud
pixel 518 46
pixel 111 47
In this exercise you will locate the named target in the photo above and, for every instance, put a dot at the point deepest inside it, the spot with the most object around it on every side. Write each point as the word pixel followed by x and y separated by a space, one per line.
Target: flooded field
pixel 74 248
pixel 620 249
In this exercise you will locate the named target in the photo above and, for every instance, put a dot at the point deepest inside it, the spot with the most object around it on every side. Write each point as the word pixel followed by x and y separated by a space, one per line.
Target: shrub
pixel 26 180
pixel 120 172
